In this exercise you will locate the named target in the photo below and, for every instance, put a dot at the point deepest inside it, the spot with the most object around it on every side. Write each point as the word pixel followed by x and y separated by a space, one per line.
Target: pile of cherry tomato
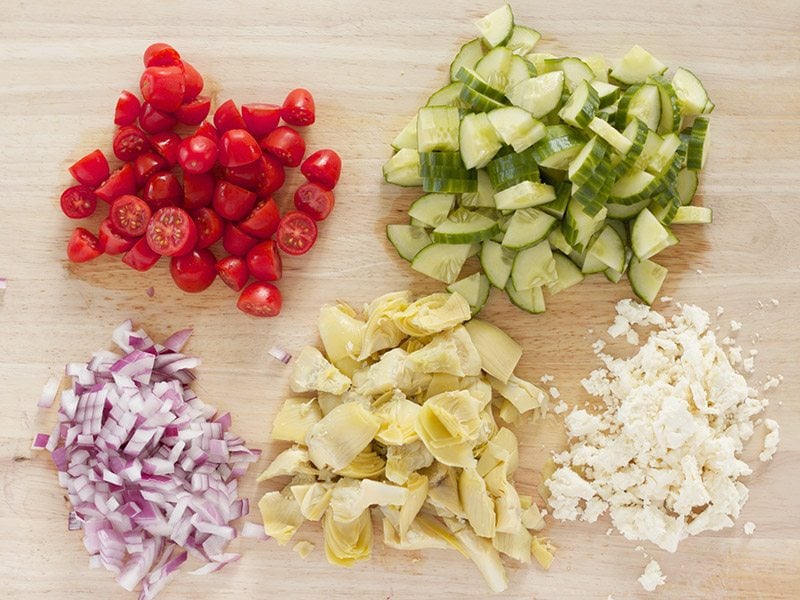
pixel 177 196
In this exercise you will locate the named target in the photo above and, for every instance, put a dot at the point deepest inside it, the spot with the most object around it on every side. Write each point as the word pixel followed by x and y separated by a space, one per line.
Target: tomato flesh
pixel 209 227
pixel 237 242
pixel 285 144
pixel 166 144
pixel 264 261
pixel 260 299
pixel 198 190
pixel 78 202
pixel 260 119
pixel 161 55
pixel 153 120
pixel 83 246
pixel 227 116
pixel 171 231
pixel 194 111
pixel 238 148
pixel 122 181
pixel 262 222
pixel 323 167
pixel 129 142
pixel 274 177
pixel 91 170
pixel 141 256
pixel 130 215
pixel 233 272
pixel 297 233
pixel 314 200
pixel 197 154
pixel 195 271
pixel 298 108
pixel 127 109
pixel 162 189
pixel 112 242
pixel 231 201
pixel 147 165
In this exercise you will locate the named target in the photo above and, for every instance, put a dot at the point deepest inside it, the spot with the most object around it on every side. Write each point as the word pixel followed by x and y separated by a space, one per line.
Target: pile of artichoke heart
pixel 402 413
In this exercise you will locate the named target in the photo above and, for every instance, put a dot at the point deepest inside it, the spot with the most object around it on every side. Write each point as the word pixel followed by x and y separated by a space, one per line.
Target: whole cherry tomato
pixel 197 154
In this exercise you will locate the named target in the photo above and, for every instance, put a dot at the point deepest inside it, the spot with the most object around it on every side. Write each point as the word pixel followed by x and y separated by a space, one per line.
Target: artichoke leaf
pixel 294 419
pixel 341 435
pixel 281 516
pixel 432 314
pixel 347 543
pixel 291 461
pixel 312 372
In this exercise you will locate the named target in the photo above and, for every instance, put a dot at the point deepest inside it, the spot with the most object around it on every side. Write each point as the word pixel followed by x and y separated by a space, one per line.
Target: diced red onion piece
pixel 49 392
pixel 40 441
pixel 74 522
pixel 178 340
pixel 150 291
pixel 253 530
pixel 280 355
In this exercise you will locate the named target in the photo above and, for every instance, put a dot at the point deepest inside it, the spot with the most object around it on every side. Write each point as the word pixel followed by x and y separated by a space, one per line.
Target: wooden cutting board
pixel 369 66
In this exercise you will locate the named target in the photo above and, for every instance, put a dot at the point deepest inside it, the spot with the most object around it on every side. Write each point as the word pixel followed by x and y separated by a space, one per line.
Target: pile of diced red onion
pixel 151 471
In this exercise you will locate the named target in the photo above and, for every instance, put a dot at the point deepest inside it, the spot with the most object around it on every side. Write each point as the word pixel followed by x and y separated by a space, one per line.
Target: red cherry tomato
pixel 161 55
pixel 146 165
pixel 153 120
pixel 260 299
pixel 262 222
pixel 227 116
pixel 238 148
pixel 127 110
pixel 129 142
pixel 163 87
pixel 162 189
pixel 237 242
pixel 209 227
pixel 122 181
pixel 171 231
pixel 141 256
pixel 233 272
pixel 198 190
pixel 208 130
pixel 248 176
pixel 112 242
pixel 260 119
pixel 91 170
pixel 194 111
pixel 264 261
pixel 197 154
pixel 231 201
pixel 166 144
pixel 314 200
pixel 323 167
pixel 129 215
pixel 78 202
pixel 194 82
pixel 195 271
pixel 83 245
pixel 285 144
pixel 297 232
pixel 298 108
pixel 274 177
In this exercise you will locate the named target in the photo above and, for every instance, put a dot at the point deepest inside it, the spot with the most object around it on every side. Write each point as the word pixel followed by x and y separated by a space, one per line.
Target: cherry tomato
pixel 162 189
pixel 166 144
pixel 122 181
pixel 161 55
pixel 227 116
pixel 248 176
pixel 264 261
pixel 127 109
pixel 260 119
pixel 78 202
pixel 163 87
pixel 129 142
pixel 298 108
pixel 233 272
pixel 274 177
pixel 195 271
pixel 146 165
pixel 231 201
pixel 153 120
pixel 297 232
pixel 129 215
pixel 141 256
pixel 112 242
pixel 194 111
pixel 198 190
pixel 91 170
pixel 323 167
pixel 314 200
pixel 206 129
pixel 285 144
pixel 260 299
pixel 171 231
pixel 262 222
pixel 83 245
pixel 209 227
pixel 237 242
pixel 197 154
pixel 194 82
pixel 238 148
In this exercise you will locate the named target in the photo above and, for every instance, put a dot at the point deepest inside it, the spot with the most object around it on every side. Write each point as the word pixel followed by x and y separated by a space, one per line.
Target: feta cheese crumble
pixel 749 528
pixel 771 440
pixel 652 577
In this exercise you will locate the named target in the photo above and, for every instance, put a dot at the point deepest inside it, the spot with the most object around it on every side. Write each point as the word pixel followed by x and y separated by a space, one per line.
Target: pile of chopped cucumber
pixel 549 168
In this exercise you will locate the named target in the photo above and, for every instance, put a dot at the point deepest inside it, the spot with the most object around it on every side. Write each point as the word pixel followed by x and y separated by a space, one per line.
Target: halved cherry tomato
pixel 198 190
pixel 129 215
pixel 153 120
pixel 122 181
pixel 195 271
pixel 91 170
pixel 208 130
pixel 260 299
pixel 237 242
pixel 314 200
pixel 264 261
pixel 162 189
pixel 163 87
pixel 161 55
pixel 297 232
pixel 323 167
pixel 238 148
pixel 262 222
pixel 78 202
pixel 227 116
pixel 260 119
pixel 233 272
pixel 171 231
pixel 197 154
pixel 83 245
pixel 194 82
pixel 112 242
pixel 141 257
pixel 129 142
pixel 285 144
pixel 194 111
pixel 146 165
pixel 127 110
pixel 231 201
pixel 298 108
pixel 274 177
pixel 166 144
pixel 209 227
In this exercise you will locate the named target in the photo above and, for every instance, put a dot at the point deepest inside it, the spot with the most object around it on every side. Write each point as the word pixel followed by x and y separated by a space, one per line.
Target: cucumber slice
pixel 567 274
pixel 637 132
pixel 407 138
pixel 518 71
pixel 496 262
pixel 476 82
pixel 537 60
pixel 403 168
pixel 607 93
pixel 407 239
pixel 692 215
pixel 476 101
pixel 692 96
pixel 587 263
pixel 648 236
pixel 574 69
pixel 581 106
pixel 449 95
pixel 651 146
pixel 557 207
pixel 441 159
pixel 625 212
pixel 670 107
pixel 474 289
pixel 522 40
pixel 516 127
pixel 558 242
pixel 636 66
pixel 698 144
pixel 531 300
pixel 609 249
pixel 510 169
pixel 437 128
pixel 686 185
pixel 642 101
pixel 664 206
pixel 633 187
pixel 432 209
pixel 646 278
pixel 440 185
pixel 578 227
pixel 445 172
pixel 464 227
pixel 664 157
pixel 496 27
pixel 478 140
pixel 527 227
pixel 585 164
pixel 524 195
pixel 557 149
pixel 538 95
pixel 619 142
pixel 533 266
pixel 442 262
pixel 494 67
pixel 484 197
pixel 599 66
pixel 467 57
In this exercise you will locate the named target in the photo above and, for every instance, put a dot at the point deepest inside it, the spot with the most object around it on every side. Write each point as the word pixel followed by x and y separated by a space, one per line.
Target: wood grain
pixel 370 65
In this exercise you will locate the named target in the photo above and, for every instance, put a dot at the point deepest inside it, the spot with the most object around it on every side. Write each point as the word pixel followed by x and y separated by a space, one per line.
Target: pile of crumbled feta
pixel 663 455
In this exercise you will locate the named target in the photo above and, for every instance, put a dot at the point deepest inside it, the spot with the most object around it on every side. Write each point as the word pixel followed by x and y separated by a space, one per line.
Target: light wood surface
pixel 369 65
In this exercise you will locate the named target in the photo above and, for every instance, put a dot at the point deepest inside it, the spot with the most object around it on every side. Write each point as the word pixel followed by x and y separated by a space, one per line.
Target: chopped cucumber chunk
pixel 497 27
pixel 474 289
pixel 496 262
pixel 403 168
pixel 646 279
pixel 478 141
pixel 692 215
pixel 636 66
pixel 522 40
pixel 465 226
pixel 442 262
pixel 524 195
pixel 437 128
pixel 538 95
pixel 432 209
pixel 467 57
pixel 407 239
pixel 531 300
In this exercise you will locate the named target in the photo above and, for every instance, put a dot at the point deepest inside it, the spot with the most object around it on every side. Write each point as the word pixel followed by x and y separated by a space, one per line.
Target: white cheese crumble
pixel 774 301
pixel 771 440
pixel 720 311
pixel 554 392
pixel 652 577
pixel 560 408
pixel 749 528
pixel 772 382
pixel 546 378
pixel 735 325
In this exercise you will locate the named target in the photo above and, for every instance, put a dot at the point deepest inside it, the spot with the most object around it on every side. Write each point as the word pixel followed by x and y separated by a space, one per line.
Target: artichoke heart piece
pixel 522 394
pixel 478 505
pixel 425 531
pixel 451 352
pixel 313 499
pixel 392 371
pixel 367 465
pixel 381 331
pixel 542 551
pixel 506 501
pixel 449 425
pixel 417 487
pixel 347 543
pixel 444 496
pixel 532 517
pixel 281 516
pixel 327 402
pixel 292 461
pixel 341 333
pixel 433 314
pixel 351 497
pixel 499 353
pixel 294 419
pixel 508 412
pixel 503 448
pixel 303 548
pixel 442 382
pixel 313 372
pixel 483 554
pixel 516 544
pixel 341 435
pixel 398 417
